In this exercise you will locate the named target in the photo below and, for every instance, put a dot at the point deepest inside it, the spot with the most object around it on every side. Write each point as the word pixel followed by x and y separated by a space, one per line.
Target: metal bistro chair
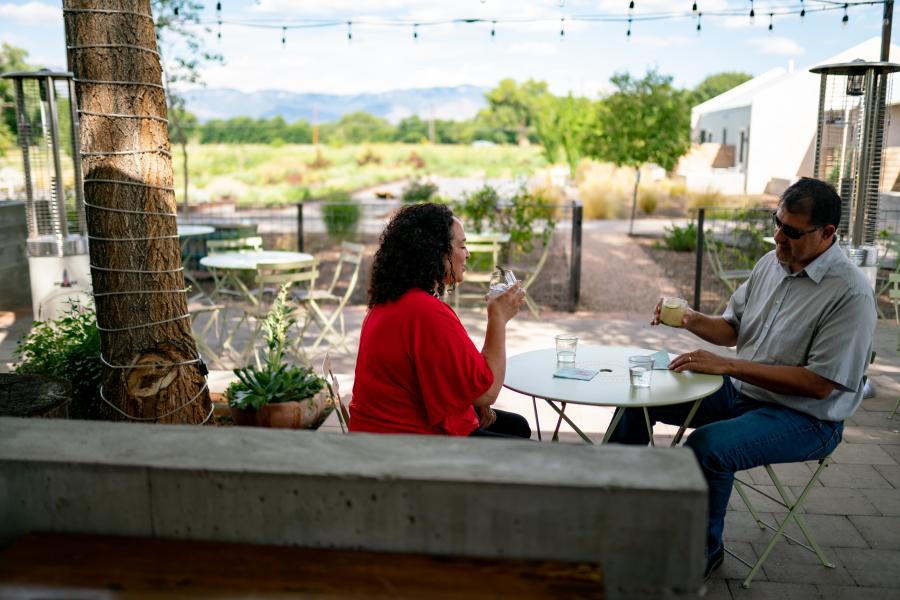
pixel 334 391
pixel 244 244
pixel 731 278
pixel 482 247
pixel 894 282
pixel 348 267
pixel 792 505
pixel 270 277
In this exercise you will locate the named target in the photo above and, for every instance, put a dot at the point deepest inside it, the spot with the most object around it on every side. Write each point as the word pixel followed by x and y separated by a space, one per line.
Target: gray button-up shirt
pixel 821 318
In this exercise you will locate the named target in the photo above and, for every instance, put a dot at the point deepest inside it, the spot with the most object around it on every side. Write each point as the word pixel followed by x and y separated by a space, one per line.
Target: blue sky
pixel 383 58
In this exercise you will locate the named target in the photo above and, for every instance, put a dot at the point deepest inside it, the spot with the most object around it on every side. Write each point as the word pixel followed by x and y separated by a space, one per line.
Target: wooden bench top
pixel 72 566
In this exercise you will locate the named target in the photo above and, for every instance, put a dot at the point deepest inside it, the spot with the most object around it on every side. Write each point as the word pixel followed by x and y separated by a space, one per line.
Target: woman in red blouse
pixel 417 370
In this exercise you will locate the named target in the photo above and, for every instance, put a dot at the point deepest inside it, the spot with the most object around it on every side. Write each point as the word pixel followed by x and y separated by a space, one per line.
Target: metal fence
pixel 319 227
pixel 729 242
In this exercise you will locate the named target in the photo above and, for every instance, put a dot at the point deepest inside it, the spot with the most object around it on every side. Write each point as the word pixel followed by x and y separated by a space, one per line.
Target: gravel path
pixel 618 278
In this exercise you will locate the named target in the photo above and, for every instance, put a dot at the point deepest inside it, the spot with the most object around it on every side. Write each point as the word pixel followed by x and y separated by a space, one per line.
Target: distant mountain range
pixel 456 103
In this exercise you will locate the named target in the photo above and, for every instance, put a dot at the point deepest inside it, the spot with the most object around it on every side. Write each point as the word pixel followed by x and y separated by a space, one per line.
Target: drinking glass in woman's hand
pixel 501 280
pixel 508 303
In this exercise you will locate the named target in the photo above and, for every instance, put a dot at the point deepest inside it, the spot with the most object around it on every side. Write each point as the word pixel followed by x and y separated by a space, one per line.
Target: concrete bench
pixel 639 513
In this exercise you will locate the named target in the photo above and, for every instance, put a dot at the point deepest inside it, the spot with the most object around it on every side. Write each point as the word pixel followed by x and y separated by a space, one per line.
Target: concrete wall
pixel 15 292
pixel 639 512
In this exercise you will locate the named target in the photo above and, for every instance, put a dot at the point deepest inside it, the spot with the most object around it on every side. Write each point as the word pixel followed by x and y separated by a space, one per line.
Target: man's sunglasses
pixel 791 232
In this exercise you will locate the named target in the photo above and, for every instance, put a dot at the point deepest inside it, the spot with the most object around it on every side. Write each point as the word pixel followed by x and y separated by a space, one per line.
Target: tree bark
pixel 128 184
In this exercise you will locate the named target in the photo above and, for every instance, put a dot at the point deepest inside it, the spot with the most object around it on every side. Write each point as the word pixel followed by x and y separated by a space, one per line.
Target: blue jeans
pixel 734 433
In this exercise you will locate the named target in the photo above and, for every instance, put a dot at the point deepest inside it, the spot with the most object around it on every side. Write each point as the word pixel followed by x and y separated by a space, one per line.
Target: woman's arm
pixel 500 309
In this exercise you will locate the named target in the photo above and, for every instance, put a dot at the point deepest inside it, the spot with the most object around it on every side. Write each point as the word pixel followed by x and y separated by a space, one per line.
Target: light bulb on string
pixel 802 11
pixel 699 14
pixel 493 29
pixel 562 3
pixel 694 8
pixel 349 31
pixel 416 32
pixel 771 17
pixel 562 28
pixel 628 33
pixel 630 7
pixel 283 37
pixel 752 13
pixel 845 19
pixel 176 11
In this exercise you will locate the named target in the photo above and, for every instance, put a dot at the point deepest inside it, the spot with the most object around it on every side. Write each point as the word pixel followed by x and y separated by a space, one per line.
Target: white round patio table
pixel 247 261
pixel 531 373
pixel 194 230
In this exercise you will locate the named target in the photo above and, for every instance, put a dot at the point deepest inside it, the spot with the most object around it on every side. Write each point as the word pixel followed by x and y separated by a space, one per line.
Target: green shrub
pixel 341 215
pixel 478 209
pixel 419 191
pixel 648 201
pixel 68 348
pixel 681 239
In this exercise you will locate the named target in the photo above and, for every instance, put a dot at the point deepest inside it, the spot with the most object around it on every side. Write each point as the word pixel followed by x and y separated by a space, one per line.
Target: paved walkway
pixel 854 513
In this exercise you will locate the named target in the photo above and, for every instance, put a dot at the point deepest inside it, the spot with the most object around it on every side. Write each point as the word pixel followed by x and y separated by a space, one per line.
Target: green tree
pixel 644 121
pixel 561 125
pixel 11 59
pixel 356 128
pixel 512 107
pixel 411 130
pixel 716 84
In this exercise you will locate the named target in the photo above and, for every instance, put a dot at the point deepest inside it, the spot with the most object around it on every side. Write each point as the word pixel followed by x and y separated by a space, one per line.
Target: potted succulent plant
pixel 274 393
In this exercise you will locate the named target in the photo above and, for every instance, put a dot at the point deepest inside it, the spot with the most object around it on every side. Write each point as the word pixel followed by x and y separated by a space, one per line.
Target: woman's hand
pixel 506 305
pixel 486 416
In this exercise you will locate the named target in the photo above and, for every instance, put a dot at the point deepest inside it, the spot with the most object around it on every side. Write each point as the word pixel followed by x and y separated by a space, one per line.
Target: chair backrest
pixel 480 245
pixel 334 390
pixel 271 276
pixel 245 244
pixel 349 263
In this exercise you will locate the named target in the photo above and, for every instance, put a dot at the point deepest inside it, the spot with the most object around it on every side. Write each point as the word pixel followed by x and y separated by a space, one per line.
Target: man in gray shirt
pixel 803 325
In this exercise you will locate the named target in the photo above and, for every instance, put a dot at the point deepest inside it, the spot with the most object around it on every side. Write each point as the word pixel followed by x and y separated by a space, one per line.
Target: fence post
pixel 299 227
pixel 698 268
pixel 575 262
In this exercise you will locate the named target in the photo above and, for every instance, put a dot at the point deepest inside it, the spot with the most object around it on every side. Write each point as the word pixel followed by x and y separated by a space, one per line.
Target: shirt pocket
pixel 790 347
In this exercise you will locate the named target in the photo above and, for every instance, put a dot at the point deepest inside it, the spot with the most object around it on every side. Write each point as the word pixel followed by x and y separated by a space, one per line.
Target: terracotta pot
pixel 304 414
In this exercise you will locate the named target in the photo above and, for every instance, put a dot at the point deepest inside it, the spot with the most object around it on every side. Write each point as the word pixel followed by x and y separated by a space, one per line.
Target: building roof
pixel 744 94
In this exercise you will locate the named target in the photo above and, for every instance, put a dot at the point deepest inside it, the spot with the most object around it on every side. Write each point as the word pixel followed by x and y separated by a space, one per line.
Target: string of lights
pixel 629 17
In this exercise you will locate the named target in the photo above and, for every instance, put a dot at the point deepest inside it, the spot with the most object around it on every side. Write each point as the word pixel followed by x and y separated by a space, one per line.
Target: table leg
pixel 687 422
pixel 617 416
pixel 569 421
pixel 537 421
pixel 559 422
pixel 649 426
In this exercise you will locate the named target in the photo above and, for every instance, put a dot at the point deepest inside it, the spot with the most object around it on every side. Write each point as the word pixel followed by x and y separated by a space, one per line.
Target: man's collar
pixel 819 266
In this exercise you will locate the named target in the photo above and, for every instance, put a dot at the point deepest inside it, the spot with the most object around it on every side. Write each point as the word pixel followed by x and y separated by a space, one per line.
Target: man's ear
pixel 828 231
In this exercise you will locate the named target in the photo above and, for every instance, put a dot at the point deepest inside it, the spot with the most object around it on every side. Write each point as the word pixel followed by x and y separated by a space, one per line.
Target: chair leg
pixel 894 412
pixel 533 308
pixel 793 507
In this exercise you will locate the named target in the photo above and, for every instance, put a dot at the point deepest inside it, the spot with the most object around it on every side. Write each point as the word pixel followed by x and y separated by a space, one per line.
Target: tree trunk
pixel 634 195
pixel 135 254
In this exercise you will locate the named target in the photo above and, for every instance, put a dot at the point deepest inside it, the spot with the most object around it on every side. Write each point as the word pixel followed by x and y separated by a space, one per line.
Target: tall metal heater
pixel 852 123
pixel 47 120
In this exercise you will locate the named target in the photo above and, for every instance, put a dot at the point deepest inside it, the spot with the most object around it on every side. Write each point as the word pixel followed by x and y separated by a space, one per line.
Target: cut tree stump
pixel 34 396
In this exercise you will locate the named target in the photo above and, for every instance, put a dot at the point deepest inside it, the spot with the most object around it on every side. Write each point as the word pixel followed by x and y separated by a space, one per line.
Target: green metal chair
pixel 484 254
pixel 348 267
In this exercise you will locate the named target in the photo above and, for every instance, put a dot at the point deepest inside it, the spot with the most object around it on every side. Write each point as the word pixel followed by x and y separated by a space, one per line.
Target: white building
pixel 761 135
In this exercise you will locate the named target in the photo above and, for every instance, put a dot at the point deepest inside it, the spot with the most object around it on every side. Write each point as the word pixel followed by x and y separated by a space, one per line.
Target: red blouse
pixel 417 371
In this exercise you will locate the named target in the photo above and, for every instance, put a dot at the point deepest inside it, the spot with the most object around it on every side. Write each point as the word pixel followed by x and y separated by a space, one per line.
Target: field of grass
pixel 271 175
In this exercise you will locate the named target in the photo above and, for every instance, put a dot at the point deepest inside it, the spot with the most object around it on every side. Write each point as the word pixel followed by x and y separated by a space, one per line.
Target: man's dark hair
pixel 814 198
pixel 412 253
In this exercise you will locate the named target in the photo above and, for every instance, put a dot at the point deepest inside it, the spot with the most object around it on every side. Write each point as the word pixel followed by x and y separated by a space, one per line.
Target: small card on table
pixel 576 373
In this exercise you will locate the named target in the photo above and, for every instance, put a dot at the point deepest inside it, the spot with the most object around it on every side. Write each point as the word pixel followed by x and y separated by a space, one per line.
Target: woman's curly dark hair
pixel 412 253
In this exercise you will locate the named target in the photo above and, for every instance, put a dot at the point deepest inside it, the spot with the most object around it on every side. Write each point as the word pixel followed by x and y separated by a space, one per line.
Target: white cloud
pixel 665 41
pixel 31 13
pixel 533 49
pixel 780 46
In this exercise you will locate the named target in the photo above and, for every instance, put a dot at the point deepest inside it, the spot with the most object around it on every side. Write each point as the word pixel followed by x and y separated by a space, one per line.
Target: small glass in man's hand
pixel 501 280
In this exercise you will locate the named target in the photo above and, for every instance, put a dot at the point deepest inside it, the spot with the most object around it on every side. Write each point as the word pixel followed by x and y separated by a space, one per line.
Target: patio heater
pixel 47 120
pixel 850 137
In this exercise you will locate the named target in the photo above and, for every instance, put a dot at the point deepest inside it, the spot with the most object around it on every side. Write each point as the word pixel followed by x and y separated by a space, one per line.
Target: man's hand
pixel 701 361
pixel 486 416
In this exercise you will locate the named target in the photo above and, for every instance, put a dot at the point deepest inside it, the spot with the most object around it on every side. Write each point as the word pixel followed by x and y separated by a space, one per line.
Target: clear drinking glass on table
pixel 566 346
pixel 501 280
pixel 640 370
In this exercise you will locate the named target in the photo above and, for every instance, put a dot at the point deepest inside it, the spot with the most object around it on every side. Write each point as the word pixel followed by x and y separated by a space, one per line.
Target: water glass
pixel 566 345
pixel 501 280
pixel 640 370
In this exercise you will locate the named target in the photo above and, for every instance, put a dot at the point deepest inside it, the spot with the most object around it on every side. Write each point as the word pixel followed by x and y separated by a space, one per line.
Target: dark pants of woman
pixel 508 425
